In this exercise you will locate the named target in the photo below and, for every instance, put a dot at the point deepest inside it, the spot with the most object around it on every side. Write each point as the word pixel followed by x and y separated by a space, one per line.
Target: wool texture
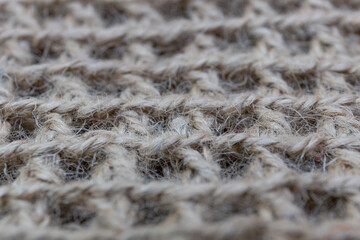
pixel 179 119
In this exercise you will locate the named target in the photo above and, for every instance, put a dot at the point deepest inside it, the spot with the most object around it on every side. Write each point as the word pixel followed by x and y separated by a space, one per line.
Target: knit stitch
pixel 179 119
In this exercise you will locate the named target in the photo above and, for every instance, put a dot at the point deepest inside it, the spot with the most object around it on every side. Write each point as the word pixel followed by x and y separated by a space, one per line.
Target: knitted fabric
pixel 179 119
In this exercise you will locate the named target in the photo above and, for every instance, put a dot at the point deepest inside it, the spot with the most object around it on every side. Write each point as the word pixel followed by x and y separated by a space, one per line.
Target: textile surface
pixel 179 119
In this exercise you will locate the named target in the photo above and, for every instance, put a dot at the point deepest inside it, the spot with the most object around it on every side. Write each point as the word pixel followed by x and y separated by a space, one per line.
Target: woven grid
pixel 179 119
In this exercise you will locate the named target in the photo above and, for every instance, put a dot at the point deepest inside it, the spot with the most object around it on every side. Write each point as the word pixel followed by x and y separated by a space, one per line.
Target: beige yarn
pixel 179 119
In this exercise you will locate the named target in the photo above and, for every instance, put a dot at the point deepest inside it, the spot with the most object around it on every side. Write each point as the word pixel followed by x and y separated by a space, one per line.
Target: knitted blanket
pixel 179 119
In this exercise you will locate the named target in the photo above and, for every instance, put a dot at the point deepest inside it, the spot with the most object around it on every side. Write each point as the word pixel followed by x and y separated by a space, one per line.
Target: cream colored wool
pixel 179 119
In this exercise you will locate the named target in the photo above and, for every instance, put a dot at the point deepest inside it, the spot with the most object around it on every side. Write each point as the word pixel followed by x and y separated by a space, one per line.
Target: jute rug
pixel 179 119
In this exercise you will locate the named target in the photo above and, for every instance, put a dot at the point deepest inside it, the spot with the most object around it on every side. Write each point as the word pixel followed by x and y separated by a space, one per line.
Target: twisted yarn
pixel 179 119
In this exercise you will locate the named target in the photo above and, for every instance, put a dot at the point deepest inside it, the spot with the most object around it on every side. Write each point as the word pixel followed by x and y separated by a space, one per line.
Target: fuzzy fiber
pixel 179 119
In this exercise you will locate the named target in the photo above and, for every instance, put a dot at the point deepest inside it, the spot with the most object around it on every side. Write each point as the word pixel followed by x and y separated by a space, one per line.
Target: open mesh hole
pixel 154 167
pixel 219 211
pixel 80 167
pixel 68 214
pixel 321 205
pixel 233 163
pixel 233 8
pixel 150 212
pixel 39 87
pixel 21 129
pixel 111 14
pixel 174 9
